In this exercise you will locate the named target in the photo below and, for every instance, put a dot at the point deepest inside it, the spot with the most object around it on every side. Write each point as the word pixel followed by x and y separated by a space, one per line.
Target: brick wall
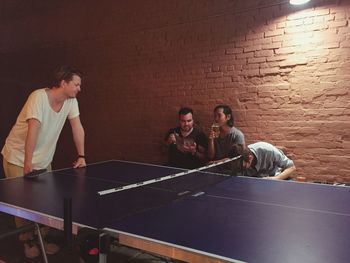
pixel 284 70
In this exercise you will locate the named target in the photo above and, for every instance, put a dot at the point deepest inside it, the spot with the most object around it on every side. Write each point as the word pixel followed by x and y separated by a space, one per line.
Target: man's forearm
pixel 79 139
pixel 30 143
pixel 286 173
pixel 201 153
pixel 211 149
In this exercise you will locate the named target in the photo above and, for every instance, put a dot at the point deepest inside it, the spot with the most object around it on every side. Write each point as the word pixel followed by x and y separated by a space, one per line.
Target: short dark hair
pixel 226 110
pixel 65 73
pixel 239 150
pixel 185 110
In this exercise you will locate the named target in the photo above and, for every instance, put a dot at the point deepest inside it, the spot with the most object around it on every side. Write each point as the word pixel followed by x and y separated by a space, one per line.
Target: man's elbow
pixel 290 170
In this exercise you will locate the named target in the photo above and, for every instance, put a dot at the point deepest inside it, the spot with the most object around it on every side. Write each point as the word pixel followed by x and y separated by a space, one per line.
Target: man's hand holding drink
pixel 214 131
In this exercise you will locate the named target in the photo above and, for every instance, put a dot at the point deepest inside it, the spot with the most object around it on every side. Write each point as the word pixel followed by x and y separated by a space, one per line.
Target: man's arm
pixel 30 143
pixel 170 139
pixel 285 174
pixel 282 161
pixel 211 147
pixel 200 153
pixel 79 140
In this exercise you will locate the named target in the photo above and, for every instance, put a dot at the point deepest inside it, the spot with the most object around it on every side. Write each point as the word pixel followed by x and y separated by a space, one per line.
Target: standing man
pixel 32 140
pixel 262 159
pixel 186 144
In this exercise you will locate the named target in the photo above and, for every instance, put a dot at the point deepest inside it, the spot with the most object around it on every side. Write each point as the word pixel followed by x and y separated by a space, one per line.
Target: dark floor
pixel 11 250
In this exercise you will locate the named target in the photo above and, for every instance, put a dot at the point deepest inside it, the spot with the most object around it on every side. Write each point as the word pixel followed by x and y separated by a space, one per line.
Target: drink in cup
pixel 188 142
pixel 216 129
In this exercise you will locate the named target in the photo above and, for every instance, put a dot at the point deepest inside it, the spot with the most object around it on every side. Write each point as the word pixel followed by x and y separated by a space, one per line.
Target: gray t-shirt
pixel 224 145
pixel 270 161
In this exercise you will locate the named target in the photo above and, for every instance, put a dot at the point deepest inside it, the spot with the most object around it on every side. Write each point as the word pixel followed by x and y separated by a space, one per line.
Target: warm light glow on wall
pixel 298 2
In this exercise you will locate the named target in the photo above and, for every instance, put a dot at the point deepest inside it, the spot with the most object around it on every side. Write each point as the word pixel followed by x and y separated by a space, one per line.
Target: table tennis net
pixel 116 206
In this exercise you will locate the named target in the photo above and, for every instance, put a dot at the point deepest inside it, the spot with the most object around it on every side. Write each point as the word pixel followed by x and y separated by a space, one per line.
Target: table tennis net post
pixel 67 220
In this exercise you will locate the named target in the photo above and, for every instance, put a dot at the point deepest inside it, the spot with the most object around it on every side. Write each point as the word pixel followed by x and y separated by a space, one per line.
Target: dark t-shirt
pixel 186 160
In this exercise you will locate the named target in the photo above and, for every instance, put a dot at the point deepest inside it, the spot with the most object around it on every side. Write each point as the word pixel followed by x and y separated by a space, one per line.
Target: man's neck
pixel 225 129
pixel 186 133
pixel 56 99
pixel 57 96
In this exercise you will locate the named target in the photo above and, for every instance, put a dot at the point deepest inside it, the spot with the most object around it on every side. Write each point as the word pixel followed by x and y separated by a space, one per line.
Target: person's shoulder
pixel 263 146
pixel 72 100
pixel 71 103
pixel 236 131
pixel 198 131
pixel 37 95
pixel 38 92
pixel 172 130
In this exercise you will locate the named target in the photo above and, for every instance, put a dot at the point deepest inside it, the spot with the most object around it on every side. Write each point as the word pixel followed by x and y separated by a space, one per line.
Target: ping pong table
pixel 199 217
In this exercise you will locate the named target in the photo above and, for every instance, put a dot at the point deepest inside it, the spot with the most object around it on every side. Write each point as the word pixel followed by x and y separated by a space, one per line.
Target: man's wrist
pixel 81 156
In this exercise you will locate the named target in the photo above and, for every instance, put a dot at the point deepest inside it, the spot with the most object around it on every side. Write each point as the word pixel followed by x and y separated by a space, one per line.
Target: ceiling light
pixel 298 2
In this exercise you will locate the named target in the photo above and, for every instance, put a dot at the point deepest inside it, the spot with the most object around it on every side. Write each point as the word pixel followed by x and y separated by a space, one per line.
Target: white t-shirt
pixel 38 107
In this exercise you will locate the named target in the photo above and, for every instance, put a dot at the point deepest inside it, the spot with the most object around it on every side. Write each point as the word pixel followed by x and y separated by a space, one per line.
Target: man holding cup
pixel 186 143
pixel 223 134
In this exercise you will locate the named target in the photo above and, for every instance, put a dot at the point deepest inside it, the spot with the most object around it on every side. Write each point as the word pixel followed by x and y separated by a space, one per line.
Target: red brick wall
pixel 284 70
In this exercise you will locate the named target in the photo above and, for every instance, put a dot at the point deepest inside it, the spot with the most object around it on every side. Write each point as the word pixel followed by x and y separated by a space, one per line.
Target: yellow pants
pixel 11 171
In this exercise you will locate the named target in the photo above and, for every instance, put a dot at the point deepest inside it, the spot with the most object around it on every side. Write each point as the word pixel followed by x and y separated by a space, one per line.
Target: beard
pixel 186 128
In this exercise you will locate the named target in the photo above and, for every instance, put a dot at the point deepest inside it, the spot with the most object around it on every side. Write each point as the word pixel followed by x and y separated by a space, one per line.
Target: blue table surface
pixel 246 219
pixel 45 194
